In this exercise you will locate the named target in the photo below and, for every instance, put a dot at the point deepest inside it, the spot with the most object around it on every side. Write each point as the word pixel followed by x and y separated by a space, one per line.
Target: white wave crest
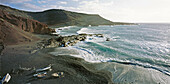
pixel 84 31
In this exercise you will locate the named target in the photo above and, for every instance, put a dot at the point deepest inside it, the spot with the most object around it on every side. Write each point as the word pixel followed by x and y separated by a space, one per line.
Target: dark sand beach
pixel 76 70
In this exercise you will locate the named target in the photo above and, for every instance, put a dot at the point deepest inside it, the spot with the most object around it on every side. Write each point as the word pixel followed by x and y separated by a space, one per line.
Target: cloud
pixel 128 10
pixel 40 2
pixel 46 7
pixel 68 8
pixel 22 4
pixel 14 1
pixel 62 2
pixel 95 6
pixel 29 6
pixel 75 0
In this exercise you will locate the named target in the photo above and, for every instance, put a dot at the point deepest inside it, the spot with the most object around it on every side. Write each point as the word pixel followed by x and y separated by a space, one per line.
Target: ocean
pixel 144 45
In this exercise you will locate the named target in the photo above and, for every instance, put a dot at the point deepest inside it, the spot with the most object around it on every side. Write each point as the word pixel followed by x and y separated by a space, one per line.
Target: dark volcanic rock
pixel 1 47
pixel 64 41
pixel 107 39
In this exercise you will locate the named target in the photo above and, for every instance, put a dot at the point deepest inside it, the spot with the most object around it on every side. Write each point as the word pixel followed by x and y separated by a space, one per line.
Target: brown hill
pixel 26 24
pixel 15 29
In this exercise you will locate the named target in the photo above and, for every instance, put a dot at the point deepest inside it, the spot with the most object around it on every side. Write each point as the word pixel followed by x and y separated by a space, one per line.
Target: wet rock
pixel 99 35
pixel 65 41
pixel 1 47
pixel 107 39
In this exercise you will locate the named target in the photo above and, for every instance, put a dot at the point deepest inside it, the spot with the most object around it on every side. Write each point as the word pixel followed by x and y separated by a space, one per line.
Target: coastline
pixel 86 49
pixel 125 72
pixel 76 70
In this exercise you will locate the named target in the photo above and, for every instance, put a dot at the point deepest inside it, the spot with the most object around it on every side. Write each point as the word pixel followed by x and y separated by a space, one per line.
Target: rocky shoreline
pixel 63 41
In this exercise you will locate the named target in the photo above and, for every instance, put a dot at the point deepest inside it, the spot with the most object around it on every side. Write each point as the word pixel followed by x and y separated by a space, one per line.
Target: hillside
pixel 15 29
pixel 10 34
pixel 58 17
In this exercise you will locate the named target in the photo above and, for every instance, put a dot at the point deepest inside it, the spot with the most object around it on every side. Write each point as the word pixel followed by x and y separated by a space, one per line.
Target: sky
pixel 145 11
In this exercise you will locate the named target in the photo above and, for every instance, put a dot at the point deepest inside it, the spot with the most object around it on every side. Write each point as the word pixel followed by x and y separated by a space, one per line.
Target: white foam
pixel 84 31
pixel 87 55
pixel 66 27
pixel 105 26
pixel 58 30
pixel 94 39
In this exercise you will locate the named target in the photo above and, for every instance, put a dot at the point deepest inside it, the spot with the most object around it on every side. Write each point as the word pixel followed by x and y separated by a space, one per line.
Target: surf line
pixel 166 72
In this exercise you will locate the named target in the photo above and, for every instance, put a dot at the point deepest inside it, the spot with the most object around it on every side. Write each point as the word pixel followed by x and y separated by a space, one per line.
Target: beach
pixel 76 70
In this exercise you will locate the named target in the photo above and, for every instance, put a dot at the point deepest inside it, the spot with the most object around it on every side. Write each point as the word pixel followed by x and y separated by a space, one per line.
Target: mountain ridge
pixel 60 17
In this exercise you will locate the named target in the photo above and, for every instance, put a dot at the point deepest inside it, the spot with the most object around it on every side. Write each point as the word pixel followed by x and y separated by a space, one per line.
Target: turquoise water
pixel 146 45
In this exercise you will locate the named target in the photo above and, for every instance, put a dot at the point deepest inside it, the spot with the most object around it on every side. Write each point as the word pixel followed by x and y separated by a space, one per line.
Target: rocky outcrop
pixel 25 24
pixel 107 39
pixel 63 41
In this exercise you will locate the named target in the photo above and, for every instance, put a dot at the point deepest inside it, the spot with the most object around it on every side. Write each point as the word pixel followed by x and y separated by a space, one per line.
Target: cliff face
pixel 11 34
pixel 25 24
pixel 15 30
